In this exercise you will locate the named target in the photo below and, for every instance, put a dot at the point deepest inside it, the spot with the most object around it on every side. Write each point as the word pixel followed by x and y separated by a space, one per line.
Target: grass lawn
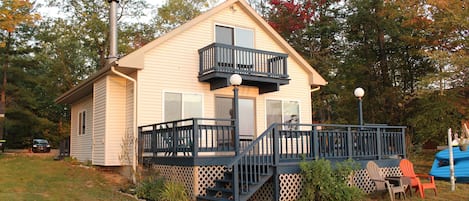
pixel 36 177
pixel 39 177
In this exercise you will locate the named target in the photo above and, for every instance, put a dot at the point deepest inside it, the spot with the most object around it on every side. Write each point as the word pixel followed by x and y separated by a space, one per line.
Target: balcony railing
pixel 199 138
pixel 233 59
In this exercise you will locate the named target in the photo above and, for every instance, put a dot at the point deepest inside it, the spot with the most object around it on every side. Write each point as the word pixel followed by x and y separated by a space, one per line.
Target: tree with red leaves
pixel 289 16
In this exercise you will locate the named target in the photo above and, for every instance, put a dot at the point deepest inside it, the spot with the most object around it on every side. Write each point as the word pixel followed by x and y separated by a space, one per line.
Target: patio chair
pixel 383 185
pixel 407 169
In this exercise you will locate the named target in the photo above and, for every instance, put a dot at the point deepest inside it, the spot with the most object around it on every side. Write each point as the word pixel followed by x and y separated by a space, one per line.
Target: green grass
pixel 42 178
pixel 38 178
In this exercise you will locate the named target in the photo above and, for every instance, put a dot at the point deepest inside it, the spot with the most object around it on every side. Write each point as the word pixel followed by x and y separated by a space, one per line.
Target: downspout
pixel 113 61
pixel 134 121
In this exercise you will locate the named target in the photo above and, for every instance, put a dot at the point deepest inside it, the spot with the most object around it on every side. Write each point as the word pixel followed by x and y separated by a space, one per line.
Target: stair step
pixel 223 181
pixel 205 198
pixel 215 192
pixel 223 190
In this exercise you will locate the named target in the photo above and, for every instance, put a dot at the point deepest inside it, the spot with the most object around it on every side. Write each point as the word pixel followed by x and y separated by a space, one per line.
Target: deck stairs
pixel 251 179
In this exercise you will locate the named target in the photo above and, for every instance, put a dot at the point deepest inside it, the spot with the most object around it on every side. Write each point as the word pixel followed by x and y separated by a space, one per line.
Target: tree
pixel 313 29
pixel 90 19
pixel 176 12
pixel 14 13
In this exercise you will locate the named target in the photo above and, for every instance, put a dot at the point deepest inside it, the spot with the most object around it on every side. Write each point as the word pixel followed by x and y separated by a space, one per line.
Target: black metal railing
pixel 218 57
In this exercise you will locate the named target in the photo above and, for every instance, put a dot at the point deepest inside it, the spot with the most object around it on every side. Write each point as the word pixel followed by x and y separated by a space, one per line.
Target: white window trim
pixel 282 103
pixel 80 121
pixel 183 95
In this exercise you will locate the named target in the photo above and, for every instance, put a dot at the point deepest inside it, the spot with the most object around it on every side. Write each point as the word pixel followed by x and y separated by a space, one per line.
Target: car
pixel 40 145
pixel 2 145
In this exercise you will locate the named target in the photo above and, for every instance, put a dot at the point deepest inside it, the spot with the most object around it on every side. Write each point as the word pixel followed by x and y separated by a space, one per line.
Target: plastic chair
pixel 407 169
pixel 380 181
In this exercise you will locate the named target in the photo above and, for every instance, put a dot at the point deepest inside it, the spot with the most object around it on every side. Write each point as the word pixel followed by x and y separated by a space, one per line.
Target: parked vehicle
pixel 2 145
pixel 40 145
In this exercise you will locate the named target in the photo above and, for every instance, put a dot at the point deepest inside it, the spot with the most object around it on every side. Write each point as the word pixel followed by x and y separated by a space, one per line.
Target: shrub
pixel 150 188
pixel 322 182
pixel 173 192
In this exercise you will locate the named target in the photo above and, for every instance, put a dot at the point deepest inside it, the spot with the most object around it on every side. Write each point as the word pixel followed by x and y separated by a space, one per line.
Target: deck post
pixel 349 142
pixel 315 139
pixel 276 161
pixel 195 137
pixel 403 143
pixel 379 143
pixel 235 183
pixel 140 146
pixel 154 142
pixel 175 139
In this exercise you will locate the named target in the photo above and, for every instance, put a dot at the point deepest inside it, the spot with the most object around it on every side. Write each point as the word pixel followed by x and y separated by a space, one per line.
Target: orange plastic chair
pixel 407 169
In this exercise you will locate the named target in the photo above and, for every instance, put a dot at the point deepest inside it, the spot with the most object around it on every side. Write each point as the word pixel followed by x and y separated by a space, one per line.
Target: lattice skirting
pixel 181 174
pixel 197 179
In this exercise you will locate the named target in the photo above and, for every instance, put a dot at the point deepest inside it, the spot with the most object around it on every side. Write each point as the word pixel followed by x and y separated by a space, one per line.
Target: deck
pixel 199 142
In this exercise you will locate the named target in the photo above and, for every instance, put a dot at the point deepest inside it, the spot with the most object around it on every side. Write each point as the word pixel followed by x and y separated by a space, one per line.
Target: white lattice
pixel 206 177
pixel 180 174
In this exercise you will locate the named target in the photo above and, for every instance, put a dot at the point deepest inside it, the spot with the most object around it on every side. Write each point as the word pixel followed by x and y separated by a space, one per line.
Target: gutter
pixel 134 123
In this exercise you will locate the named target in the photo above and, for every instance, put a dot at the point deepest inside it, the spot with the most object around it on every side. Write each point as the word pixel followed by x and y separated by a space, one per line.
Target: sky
pixel 54 12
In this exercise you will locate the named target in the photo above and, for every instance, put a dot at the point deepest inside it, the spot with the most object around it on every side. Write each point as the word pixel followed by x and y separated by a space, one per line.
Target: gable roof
pixel 135 60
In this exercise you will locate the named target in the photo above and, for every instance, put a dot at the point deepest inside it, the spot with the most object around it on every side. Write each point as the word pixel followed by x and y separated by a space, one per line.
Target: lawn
pixel 39 177
pixel 35 177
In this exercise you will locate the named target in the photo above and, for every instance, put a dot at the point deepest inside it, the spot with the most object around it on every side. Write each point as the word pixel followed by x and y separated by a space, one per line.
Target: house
pixel 176 91
pixel 169 85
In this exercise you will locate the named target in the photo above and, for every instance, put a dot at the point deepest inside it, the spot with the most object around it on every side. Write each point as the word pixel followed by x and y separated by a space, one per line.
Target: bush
pixel 322 182
pixel 150 188
pixel 174 192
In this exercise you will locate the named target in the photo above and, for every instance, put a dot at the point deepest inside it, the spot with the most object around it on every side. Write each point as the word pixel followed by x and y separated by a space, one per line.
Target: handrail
pixel 251 146
pixel 254 161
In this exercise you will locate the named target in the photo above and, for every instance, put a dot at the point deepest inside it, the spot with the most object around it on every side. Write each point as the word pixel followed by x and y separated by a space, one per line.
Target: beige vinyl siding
pixel 99 121
pixel 129 109
pixel 81 144
pixel 115 119
pixel 174 66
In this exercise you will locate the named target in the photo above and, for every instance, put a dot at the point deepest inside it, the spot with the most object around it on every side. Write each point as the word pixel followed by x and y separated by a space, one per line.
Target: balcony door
pixel 236 36
pixel 223 106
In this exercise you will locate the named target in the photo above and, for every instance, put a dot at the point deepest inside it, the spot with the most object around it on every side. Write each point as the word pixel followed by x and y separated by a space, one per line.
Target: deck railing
pixel 218 57
pixel 203 137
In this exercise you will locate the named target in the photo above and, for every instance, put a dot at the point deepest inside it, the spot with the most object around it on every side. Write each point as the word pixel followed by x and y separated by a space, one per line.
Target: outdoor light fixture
pixel 235 81
pixel 359 93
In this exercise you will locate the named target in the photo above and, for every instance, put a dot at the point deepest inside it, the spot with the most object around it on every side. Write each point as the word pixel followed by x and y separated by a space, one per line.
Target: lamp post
pixel 235 81
pixel 359 93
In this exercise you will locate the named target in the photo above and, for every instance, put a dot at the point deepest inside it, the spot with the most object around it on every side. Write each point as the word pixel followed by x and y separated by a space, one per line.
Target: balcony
pixel 263 69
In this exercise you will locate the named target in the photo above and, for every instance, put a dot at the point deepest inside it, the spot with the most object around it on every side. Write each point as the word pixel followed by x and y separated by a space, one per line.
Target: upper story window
pixel 179 106
pixel 82 122
pixel 234 36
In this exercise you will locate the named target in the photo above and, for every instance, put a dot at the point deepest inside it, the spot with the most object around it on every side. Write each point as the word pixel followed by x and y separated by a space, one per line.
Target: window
pixel 280 111
pixel 179 106
pixel 247 122
pixel 81 123
pixel 236 36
